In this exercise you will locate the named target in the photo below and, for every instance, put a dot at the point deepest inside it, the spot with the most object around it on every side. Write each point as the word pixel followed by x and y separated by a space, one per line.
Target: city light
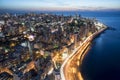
pixel 44 46
pixel 64 55
pixel 31 37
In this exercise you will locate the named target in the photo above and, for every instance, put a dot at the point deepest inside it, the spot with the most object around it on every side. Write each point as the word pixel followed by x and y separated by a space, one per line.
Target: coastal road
pixel 70 67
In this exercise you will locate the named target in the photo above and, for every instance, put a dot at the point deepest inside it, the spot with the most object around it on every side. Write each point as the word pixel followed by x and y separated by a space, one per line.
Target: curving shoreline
pixel 71 62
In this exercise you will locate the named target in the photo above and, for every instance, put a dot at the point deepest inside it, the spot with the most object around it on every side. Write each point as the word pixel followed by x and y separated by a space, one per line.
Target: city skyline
pixel 60 5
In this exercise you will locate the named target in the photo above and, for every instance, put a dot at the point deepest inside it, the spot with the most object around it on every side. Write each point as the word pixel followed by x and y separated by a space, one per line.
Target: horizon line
pixel 63 9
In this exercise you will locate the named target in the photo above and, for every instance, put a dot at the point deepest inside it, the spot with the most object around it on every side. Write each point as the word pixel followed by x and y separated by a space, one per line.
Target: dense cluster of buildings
pixel 33 46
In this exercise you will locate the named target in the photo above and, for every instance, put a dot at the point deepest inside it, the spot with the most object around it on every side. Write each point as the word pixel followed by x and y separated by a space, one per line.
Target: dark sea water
pixel 103 60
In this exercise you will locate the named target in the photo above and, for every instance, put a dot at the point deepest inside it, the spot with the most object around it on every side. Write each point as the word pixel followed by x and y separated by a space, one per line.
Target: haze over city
pixel 60 4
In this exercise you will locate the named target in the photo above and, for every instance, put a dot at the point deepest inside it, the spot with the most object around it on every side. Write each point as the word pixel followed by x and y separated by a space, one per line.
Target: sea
pixel 102 62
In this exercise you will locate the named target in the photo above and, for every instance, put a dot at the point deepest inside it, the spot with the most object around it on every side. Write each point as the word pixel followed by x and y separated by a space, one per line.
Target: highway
pixel 70 67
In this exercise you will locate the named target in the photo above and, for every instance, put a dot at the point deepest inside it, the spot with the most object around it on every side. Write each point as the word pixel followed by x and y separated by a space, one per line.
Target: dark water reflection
pixel 103 60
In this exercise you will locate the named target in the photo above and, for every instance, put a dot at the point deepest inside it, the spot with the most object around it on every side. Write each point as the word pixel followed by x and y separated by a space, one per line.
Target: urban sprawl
pixel 34 46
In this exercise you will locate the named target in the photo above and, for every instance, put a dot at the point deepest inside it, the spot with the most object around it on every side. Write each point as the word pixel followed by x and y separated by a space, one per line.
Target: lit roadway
pixel 70 67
